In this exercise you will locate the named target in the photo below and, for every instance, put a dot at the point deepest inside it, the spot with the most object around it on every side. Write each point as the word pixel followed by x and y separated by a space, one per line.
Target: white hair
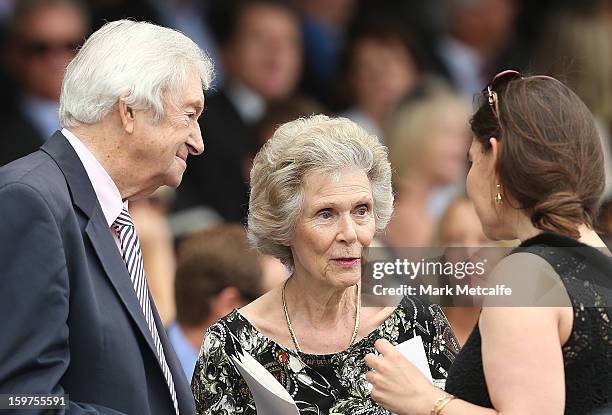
pixel 140 63
pixel 317 144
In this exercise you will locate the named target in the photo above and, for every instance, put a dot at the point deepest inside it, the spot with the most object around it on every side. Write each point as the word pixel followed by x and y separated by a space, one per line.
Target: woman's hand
pixel 397 384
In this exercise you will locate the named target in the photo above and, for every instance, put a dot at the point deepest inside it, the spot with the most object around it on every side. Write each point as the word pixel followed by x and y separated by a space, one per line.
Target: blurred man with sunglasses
pixel 44 36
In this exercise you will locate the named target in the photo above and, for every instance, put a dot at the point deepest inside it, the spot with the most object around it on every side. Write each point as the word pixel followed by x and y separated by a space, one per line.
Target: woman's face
pixel 481 188
pixel 336 222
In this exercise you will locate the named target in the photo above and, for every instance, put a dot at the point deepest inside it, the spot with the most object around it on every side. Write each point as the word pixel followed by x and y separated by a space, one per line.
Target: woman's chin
pixel 497 234
pixel 347 278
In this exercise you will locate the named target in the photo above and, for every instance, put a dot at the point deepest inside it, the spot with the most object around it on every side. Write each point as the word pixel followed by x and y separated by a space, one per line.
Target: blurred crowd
pixel 407 71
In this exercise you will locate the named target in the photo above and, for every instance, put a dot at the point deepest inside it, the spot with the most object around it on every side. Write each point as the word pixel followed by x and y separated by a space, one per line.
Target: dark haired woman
pixel 536 175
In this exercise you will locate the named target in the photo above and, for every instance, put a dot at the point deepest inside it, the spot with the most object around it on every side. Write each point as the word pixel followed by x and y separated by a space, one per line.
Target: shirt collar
pixel 466 65
pixel 249 104
pixel 42 114
pixel 184 350
pixel 105 188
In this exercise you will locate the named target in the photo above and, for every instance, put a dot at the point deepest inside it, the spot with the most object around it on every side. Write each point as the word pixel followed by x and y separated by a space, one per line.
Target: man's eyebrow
pixel 197 105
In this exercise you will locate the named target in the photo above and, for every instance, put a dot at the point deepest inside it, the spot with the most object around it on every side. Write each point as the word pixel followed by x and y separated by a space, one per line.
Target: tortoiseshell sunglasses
pixel 498 80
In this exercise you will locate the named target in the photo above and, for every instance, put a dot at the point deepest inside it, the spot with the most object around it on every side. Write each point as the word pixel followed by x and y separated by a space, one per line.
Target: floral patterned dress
pixel 319 384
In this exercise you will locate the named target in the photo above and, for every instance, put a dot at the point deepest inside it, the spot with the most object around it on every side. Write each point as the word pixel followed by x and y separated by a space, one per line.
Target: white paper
pixel 414 351
pixel 271 398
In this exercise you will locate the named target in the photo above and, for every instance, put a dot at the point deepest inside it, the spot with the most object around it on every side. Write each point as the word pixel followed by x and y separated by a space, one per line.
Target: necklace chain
pixel 290 327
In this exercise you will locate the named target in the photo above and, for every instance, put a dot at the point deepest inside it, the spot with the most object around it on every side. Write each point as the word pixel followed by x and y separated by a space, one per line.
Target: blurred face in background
pixel 461 232
pixel 446 145
pixel 460 226
pixel 266 52
pixel 485 24
pixel 383 72
pixel 46 44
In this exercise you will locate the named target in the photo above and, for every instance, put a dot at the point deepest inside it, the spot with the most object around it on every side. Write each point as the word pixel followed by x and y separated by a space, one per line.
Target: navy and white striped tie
pixel 130 250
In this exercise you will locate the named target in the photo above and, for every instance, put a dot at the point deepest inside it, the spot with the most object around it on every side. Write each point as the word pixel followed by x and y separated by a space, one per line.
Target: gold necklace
pixel 290 327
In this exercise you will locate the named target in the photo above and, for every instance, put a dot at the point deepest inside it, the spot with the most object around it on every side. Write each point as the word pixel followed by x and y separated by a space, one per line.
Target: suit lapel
pixel 104 244
pixel 97 230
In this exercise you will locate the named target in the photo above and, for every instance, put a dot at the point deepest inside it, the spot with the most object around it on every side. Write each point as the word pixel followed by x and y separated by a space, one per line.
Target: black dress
pixel 586 274
pixel 319 384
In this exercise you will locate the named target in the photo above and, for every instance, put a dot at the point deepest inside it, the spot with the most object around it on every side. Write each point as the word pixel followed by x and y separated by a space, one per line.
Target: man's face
pixel 266 54
pixel 47 43
pixel 158 152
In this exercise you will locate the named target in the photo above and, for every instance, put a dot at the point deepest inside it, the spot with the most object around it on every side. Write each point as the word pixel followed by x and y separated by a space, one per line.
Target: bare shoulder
pixel 533 280
pixel 521 263
pixel 538 298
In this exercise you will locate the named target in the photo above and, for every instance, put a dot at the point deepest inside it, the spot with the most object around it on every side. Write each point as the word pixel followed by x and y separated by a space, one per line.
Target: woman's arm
pixel 398 386
pixel 522 361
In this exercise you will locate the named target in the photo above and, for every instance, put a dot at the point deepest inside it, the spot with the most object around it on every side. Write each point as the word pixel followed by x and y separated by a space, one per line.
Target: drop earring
pixel 498 196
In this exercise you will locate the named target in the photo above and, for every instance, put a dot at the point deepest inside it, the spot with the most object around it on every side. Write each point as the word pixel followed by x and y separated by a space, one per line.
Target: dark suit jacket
pixel 19 137
pixel 70 321
pixel 215 179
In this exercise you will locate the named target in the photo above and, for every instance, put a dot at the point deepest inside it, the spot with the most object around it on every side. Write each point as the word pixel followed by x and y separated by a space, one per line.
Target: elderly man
pixel 77 318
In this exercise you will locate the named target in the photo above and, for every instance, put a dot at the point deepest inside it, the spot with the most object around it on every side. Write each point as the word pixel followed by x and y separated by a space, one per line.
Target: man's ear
pixel 126 113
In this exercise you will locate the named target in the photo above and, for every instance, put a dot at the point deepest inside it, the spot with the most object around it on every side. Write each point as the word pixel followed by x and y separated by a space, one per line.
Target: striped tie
pixel 130 250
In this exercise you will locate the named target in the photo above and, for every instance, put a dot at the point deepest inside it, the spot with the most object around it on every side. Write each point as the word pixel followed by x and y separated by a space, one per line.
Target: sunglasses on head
pixel 42 48
pixel 498 82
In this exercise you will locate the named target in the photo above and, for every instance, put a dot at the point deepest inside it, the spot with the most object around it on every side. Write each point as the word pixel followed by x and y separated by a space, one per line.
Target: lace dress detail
pixel 586 274
pixel 319 384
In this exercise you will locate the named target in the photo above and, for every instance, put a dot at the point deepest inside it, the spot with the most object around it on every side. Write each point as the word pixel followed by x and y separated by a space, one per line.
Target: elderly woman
pixel 536 175
pixel 320 190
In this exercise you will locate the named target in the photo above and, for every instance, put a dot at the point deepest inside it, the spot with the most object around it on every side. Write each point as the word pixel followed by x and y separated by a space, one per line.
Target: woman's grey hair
pixel 315 144
pixel 143 64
